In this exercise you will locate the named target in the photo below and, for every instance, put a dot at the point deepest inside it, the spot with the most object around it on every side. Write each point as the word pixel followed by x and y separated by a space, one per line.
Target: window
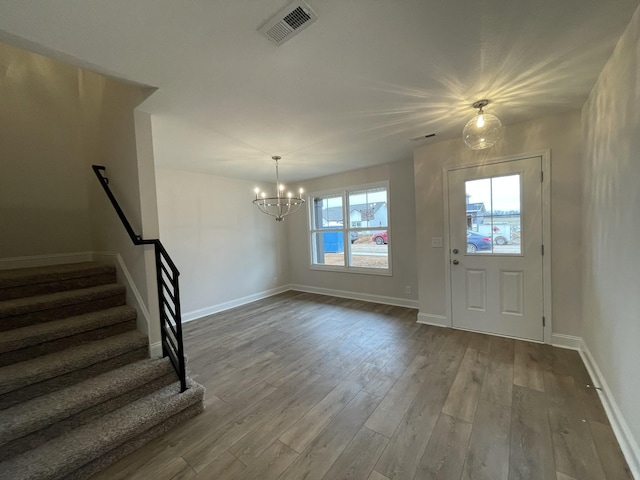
pixel 493 215
pixel 349 229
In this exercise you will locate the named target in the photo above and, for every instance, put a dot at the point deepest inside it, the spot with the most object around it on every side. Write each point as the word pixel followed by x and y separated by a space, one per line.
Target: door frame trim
pixel 545 155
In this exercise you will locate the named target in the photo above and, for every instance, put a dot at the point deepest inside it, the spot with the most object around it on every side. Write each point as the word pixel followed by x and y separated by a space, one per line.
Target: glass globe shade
pixel 482 131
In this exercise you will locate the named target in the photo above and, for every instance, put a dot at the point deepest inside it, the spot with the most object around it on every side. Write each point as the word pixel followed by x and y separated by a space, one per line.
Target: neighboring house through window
pixel 350 229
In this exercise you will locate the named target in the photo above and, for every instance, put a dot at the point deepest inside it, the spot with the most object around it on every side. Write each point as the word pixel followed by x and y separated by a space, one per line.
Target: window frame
pixel 344 193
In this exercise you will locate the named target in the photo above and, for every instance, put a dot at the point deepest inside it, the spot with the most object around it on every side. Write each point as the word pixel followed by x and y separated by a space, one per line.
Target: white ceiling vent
pixel 288 22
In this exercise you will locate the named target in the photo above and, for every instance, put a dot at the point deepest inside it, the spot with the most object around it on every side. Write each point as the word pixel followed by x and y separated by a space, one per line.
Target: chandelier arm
pixel 280 210
pixel 288 205
pixel 261 206
pixel 295 209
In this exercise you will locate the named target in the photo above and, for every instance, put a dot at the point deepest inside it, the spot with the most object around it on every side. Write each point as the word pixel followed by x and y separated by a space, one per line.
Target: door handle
pixel 456 262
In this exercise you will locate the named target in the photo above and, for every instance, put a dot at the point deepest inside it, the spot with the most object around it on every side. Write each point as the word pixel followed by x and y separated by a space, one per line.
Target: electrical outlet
pixel 436 242
pixel 407 290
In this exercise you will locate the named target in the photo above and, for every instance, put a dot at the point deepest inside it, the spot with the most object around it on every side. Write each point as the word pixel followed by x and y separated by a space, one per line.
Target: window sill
pixel 356 270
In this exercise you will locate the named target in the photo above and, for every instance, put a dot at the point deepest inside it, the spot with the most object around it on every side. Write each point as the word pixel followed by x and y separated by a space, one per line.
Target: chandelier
pixel 282 204
pixel 483 130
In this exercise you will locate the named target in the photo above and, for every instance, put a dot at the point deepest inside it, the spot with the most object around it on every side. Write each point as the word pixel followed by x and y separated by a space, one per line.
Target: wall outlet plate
pixel 436 242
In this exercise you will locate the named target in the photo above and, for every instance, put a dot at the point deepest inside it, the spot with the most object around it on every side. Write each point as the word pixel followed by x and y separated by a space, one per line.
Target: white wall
pixel 560 134
pixel 113 144
pixel 611 227
pixel 403 231
pixel 148 217
pixel 226 250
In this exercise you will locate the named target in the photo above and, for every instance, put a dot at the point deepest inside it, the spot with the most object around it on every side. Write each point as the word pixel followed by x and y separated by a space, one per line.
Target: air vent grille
pixel 278 32
pixel 297 18
pixel 288 22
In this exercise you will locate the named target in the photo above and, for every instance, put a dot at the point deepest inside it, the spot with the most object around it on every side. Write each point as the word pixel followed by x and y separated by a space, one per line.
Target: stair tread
pixel 89 402
pixel 28 276
pixel 45 332
pixel 41 368
pixel 84 444
pixel 50 300
pixel 45 410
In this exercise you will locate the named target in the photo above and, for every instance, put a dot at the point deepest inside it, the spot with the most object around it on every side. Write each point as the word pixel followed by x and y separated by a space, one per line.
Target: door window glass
pixel 493 215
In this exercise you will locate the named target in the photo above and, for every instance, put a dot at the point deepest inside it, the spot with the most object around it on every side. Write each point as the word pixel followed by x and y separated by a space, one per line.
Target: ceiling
pixel 348 92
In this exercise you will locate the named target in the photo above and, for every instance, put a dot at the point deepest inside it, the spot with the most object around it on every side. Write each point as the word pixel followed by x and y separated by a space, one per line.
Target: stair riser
pixel 32 440
pixel 28 290
pixel 60 344
pixel 85 306
pixel 14 397
pixel 130 446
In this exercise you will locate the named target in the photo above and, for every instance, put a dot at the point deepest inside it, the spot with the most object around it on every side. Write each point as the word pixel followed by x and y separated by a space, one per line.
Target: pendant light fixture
pixel 483 130
pixel 282 204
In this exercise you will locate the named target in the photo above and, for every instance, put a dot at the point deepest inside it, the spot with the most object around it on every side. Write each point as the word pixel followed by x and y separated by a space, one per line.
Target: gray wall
pixel 403 232
pixel 57 120
pixel 226 250
pixel 611 226
pixel 44 199
pixel 560 134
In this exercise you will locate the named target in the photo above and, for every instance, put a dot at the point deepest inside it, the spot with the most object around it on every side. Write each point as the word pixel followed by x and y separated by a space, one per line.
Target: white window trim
pixel 344 193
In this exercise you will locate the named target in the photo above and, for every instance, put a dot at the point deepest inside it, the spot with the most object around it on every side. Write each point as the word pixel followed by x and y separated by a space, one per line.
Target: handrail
pixel 167 279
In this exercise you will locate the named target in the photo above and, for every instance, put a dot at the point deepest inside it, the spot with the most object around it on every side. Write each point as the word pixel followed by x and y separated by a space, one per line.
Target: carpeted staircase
pixel 77 389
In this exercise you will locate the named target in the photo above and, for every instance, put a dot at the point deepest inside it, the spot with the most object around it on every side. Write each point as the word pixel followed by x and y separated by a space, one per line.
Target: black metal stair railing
pixel 168 288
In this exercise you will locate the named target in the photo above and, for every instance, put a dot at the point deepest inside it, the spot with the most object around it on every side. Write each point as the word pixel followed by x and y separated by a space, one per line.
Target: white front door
pixel 495 240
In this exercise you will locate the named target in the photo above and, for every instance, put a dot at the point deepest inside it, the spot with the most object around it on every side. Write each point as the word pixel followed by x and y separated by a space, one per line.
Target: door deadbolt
pixel 455 251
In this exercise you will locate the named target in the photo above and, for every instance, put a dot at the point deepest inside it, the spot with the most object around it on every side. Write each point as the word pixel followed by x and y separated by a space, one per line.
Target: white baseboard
pixel 133 294
pixel 628 444
pixel 366 297
pixel 430 319
pixel 155 350
pixel 221 307
pixel 566 341
pixel 45 260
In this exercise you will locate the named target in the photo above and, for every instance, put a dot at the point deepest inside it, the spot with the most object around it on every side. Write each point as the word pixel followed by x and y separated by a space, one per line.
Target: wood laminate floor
pixel 303 386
